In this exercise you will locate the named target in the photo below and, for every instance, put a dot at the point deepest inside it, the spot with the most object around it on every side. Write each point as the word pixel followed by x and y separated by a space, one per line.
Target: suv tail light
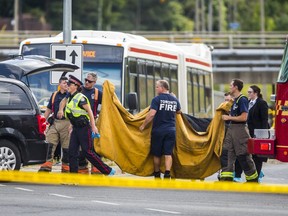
pixel 41 124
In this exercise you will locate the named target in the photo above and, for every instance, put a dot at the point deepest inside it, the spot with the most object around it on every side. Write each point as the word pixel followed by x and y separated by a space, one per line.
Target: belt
pixel 237 122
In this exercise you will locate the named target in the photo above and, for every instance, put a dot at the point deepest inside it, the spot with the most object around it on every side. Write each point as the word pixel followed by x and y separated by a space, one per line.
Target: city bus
pixel 133 64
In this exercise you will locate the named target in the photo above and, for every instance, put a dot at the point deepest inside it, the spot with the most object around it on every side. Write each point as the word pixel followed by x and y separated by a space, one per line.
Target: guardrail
pixel 11 39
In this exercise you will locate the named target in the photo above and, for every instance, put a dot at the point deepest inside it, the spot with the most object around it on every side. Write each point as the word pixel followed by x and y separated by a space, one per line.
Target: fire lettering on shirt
pixel 168 105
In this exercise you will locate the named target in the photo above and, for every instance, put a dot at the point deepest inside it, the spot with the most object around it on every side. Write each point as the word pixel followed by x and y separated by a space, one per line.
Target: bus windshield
pixel 283 74
pixel 106 61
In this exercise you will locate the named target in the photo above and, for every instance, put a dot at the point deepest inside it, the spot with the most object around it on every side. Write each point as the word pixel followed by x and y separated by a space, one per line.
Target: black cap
pixel 75 80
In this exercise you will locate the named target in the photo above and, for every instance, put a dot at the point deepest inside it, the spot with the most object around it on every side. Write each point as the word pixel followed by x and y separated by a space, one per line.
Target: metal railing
pixel 11 39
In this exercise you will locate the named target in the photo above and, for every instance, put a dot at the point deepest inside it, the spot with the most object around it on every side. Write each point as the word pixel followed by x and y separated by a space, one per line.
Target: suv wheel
pixel 9 156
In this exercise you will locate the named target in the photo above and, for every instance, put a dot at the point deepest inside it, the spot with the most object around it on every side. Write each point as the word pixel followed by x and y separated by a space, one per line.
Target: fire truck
pixel 273 143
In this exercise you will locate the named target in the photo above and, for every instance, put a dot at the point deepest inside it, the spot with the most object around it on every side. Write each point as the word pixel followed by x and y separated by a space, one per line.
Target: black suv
pixel 22 125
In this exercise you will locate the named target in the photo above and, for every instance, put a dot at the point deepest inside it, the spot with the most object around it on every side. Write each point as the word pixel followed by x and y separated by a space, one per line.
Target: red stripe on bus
pixel 149 52
pixel 198 62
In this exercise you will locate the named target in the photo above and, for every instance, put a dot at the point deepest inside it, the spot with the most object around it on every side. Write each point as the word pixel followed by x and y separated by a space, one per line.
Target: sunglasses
pixel 71 82
pixel 89 81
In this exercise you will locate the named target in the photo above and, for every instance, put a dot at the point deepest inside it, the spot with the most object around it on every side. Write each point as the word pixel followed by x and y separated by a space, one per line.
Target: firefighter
pixel 58 128
pixel 79 112
pixel 237 136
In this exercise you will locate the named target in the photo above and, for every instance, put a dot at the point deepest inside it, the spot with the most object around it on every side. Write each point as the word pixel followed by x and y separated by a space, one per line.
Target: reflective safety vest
pixel 73 108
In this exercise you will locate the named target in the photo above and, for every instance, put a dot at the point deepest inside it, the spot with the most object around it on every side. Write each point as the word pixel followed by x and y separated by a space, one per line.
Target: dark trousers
pixel 81 136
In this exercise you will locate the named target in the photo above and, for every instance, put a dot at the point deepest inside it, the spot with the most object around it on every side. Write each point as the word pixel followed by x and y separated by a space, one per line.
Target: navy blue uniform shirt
pixel 239 106
pixel 58 97
pixel 166 106
pixel 89 93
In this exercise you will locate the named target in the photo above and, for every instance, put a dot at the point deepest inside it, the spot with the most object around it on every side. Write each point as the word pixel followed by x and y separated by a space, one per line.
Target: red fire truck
pixel 268 144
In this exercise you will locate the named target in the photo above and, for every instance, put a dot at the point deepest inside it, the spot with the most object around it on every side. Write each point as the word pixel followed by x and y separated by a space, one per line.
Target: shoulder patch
pixel 82 99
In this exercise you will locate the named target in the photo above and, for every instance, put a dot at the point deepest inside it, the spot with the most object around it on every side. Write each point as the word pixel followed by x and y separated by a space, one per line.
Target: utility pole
pixel 16 16
pixel 67 21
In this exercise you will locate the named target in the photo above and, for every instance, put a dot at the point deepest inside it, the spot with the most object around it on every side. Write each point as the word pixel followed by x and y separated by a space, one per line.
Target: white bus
pixel 133 64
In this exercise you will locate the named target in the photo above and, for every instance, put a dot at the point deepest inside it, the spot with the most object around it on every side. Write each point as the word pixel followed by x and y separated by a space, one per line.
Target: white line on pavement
pixel 60 195
pixel 164 211
pixel 23 189
pixel 107 203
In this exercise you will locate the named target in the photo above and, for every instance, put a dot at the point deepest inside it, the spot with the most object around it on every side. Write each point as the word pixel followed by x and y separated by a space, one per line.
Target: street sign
pixel 71 53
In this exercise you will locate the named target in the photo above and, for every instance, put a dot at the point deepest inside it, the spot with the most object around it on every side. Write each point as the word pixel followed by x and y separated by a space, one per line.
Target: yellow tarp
pixel 196 154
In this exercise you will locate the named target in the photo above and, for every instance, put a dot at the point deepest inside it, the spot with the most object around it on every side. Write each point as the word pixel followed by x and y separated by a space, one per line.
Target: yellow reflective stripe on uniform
pixel 73 108
pixel 227 174
pixel 253 176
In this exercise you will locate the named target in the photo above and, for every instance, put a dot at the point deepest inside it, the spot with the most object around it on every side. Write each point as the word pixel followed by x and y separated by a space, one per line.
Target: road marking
pixel 107 203
pixel 60 195
pixel 164 211
pixel 1 185
pixel 23 189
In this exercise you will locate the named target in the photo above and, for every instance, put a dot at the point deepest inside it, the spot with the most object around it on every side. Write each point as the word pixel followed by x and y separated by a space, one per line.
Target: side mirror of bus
pixel 132 101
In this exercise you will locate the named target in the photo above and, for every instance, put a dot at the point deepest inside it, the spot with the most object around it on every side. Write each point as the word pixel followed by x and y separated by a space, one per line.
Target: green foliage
pixel 156 15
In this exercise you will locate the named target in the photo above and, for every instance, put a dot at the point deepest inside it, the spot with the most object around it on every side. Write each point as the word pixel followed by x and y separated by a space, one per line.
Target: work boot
pixel 157 175
pixel 94 170
pixel 226 179
pixel 83 170
pixel 65 168
pixel 252 180
pixel 46 167
pixel 167 175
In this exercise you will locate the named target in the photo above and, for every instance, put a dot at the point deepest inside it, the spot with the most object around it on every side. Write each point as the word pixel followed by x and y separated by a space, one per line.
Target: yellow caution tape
pixel 129 182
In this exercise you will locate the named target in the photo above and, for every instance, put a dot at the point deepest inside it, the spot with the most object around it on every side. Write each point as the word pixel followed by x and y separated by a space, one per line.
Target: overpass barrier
pixel 229 40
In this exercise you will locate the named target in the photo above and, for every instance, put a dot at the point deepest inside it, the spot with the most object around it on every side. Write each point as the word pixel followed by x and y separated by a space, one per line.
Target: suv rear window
pixel 13 97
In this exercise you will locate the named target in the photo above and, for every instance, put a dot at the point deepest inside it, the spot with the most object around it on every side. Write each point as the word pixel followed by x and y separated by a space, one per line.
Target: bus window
pixel 208 94
pixel 165 72
pixel 107 62
pixel 201 94
pixel 36 49
pixel 157 73
pixel 174 79
pixel 190 95
pixel 196 95
pixel 142 88
pixel 150 81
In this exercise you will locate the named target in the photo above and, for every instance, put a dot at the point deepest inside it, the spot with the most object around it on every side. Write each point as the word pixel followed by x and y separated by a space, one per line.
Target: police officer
pixel 237 136
pixel 58 129
pixel 94 96
pixel 79 113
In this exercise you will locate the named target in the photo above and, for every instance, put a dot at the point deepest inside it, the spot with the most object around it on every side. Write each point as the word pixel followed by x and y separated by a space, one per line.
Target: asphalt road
pixel 43 200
